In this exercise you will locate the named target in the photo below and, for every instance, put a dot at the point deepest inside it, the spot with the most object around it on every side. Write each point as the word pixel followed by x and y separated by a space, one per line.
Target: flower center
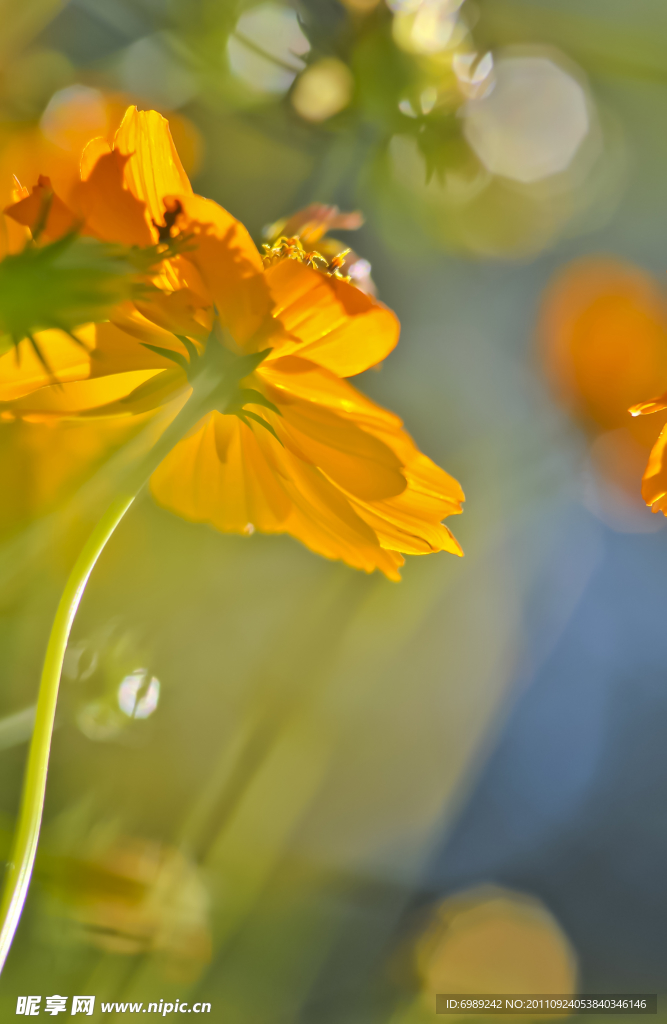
pixel 291 248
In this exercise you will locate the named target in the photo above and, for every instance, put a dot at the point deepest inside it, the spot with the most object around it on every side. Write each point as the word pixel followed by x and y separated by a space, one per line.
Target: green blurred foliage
pixel 65 284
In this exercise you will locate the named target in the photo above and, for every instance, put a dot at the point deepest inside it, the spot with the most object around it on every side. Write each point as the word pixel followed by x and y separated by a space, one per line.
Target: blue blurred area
pixel 571 804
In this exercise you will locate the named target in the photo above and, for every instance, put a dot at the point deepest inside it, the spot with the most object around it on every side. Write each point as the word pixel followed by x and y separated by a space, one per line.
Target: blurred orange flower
pixel 298 450
pixel 604 337
pixel 654 483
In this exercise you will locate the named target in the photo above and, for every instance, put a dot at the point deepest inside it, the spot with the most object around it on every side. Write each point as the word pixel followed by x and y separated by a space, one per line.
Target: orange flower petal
pixel 100 395
pixel 218 475
pixel 650 406
pixel 424 477
pixel 411 522
pixel 353 459
pixel 231 269
pixel 237 478
pixel 654 484
pixel 108 368
pixel 178 312
pixel 138 331
pixel 406 526
pixel 221 475
pixel 332 323
pixel 153 169
pixel 290 377
pixel 21 370
pixel 26 154
pixel 59 219
pixel 92 152
pixel 112 212
pixel 327 523
pixel 13 236
pixel 431 494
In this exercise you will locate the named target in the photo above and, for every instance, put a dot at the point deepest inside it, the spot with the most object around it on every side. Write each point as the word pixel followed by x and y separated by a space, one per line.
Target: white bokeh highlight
pixel 138 696
pixel 533 122
pixel 266 48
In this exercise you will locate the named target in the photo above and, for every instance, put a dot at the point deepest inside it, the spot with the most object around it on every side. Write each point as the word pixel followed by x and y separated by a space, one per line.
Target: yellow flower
pixel 297 449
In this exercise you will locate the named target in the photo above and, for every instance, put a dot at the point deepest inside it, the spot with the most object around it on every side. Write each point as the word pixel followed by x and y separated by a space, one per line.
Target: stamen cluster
pixel 292 249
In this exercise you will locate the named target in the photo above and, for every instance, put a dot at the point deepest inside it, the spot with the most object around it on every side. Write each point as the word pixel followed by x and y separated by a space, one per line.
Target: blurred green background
pixel 298 792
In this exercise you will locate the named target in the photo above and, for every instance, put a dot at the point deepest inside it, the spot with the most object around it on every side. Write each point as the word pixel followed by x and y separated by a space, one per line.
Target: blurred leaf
pixel 441 145
pixel 64 284
pixel 79 881
pixel 383 75
pixel 610 38
pixel 22 21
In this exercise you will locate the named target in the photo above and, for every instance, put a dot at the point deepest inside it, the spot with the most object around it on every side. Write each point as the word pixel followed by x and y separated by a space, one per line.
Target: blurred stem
pixel 209 391
pixel 336 169
pixel 20 867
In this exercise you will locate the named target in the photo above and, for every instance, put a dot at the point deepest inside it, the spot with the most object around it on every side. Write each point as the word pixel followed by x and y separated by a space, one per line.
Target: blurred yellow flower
pixel 134 897
pixel 492 940
pixel 297 450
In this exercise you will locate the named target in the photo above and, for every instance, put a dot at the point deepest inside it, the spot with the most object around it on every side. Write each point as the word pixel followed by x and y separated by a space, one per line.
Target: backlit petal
pixel 111 211
pixel 59 220
pixel 154 169
pixel 654 484
pixel 122 343
pixel 21 370
pixel 403 526
pixel 231 268
pixel 353 459
pixel 218 475
pixel 649 406
pixel 289 378
pixel 326 522
pixel 92 152
pixel 85 396
pixel 332 322
pixel 224 473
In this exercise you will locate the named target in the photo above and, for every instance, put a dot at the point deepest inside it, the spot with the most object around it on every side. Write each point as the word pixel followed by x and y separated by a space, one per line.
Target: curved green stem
pixel 22 860
pixel 212 388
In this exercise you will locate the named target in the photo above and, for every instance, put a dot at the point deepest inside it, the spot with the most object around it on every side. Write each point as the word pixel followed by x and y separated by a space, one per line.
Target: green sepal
pixel 245 414
pixel 168 353
pixel 190 348
pixel 248 396
pixel 42 358
pixel 244 365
